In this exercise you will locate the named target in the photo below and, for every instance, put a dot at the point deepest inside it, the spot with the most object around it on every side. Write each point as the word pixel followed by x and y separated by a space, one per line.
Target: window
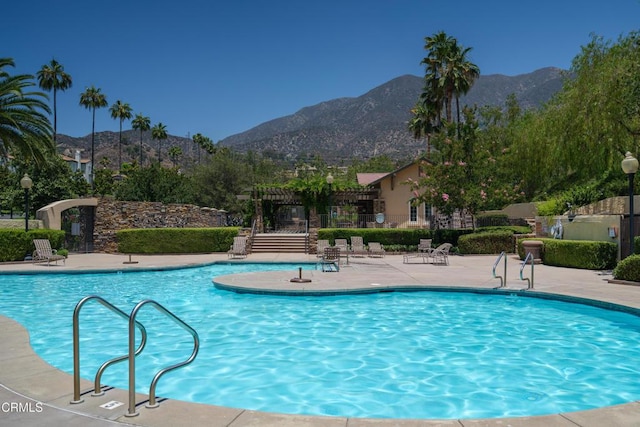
pixel 413 212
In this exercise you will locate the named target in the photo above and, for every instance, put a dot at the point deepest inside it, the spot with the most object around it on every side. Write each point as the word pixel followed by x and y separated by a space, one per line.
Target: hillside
pixel 339 129
pixel 376 122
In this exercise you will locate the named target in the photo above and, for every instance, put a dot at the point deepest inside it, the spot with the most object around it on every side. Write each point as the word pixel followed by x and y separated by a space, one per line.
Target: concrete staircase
pixel 279 242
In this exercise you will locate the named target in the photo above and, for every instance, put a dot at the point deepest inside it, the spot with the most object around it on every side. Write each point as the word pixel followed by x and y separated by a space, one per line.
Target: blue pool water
pixel 389 355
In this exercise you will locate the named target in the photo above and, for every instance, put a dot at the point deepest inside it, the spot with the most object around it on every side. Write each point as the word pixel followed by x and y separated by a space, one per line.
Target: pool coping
pixel 24 377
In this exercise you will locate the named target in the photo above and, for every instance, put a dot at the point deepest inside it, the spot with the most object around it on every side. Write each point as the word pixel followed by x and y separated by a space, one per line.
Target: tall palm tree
pixel 53 77
pixel 423 123
pixel 449 74
pixel 24 126
pixel 159 132
pixel 91 99
pixel 197 139
pixel 143 124
pixel 122 112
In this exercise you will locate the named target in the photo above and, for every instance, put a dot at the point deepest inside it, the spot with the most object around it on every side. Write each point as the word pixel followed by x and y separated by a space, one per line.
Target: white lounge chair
pixel 357 246
pixel 322 243
pixel 239 247
pixel 376 249
pixel 424 245
pixel 440 255
pixel 44 252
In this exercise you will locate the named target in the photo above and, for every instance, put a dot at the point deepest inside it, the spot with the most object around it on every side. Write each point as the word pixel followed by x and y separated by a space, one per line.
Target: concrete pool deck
pixel 33 393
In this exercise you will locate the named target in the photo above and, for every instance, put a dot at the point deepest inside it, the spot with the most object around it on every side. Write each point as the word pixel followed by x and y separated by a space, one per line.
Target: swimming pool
pixel 390 355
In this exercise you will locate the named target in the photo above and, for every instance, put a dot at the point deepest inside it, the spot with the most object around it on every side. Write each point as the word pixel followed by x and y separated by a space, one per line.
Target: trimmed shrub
pixel 628 269
pixel 175 240
pixel 585 254
pixel 489 242
pixel 15 245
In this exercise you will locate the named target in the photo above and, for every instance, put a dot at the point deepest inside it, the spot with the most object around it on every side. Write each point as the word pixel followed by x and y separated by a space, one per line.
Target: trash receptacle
pixel 534 247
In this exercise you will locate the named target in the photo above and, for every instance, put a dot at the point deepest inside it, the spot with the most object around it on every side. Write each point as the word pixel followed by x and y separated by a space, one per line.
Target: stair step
pixel 279 242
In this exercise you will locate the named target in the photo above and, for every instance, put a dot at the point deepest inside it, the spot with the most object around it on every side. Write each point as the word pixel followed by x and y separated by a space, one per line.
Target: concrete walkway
pixel 32 393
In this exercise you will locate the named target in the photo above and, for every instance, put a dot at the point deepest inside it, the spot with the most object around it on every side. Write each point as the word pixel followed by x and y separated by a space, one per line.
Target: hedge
pixel 488 242
pixel 587 254
pixel 628 269
pixel 15 245
pixel 175 240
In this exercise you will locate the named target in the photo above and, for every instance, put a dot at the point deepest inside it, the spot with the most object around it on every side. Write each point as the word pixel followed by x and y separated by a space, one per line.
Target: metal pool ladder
pixel 529 282
pixel 133 352
pixel 503 279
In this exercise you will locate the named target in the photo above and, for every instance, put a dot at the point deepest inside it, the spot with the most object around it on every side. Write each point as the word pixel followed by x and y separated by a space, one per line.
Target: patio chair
pixel 376 249
pixel 440 255
pixel 424 245
pixel 44 252
pixel 357 246
pixel 322 243
pixel 342 244
pixel 239 248
pixel 330 259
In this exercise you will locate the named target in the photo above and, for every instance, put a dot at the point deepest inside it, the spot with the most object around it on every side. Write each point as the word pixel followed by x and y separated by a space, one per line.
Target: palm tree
pixel 53 77
pixel 24 126
pixel 449 74
pixel 143 124
pixel 91 99
pixel 422 124
pixel 159 132
pixel 197 139
pixel 122 112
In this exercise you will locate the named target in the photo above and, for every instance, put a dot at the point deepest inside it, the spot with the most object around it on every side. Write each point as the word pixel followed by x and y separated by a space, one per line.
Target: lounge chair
pixel 344 248
pixel 331 259
pixel 376 249
pixel 424 245
pixel 322 243
pixel 239 247
pixel 440 255
pixel 44 252
pixel 357 246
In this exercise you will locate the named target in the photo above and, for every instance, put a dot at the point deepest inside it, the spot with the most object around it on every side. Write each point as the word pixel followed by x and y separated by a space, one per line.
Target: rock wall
pixel 113 215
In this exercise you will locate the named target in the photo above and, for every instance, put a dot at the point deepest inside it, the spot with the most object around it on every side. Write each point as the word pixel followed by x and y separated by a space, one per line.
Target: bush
pixel 489 242
pixel 585 254
pixel 176 240
pixel 489 220
pixel 15 245
pixel 628 269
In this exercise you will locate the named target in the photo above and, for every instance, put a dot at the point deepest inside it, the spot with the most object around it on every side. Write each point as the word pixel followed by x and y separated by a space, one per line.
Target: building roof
pixel 368 178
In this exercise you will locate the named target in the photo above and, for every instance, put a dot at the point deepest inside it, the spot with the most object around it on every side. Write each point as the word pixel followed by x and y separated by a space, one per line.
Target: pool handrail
pixel 132 361
pixel 524 263
pixel 105 365
pixel 503 279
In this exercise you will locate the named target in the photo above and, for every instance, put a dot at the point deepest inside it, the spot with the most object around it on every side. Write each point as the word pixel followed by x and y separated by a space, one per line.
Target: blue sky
pixel 222 67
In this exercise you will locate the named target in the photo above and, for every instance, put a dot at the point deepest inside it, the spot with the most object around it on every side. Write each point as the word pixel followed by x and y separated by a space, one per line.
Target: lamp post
pixel 630 167
pixel 330 182
pixel 26 183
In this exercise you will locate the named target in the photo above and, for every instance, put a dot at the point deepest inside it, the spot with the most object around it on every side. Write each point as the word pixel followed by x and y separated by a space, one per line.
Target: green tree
pixel 52 77
pixel 92 98
pixel 25 129
pixel 159 132
pixel 143 124
pixel 157 184
pixel 122 112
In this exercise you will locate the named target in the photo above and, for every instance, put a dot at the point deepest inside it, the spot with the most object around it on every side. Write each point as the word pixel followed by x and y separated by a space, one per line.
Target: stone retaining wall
pixel 113 215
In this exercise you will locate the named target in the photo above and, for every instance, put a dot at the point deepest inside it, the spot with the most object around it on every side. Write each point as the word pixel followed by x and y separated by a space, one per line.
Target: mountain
pixel 340 129
pixel 376 122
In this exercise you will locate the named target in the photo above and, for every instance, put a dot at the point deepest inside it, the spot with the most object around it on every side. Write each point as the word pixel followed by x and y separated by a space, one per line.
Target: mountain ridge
pixel 371 124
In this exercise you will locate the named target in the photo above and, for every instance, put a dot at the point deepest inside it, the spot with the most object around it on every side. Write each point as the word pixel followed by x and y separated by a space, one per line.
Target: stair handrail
pixel 529 282
pixel 105 365
pixel 503 279
pixel 254 229
pixel 132 361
